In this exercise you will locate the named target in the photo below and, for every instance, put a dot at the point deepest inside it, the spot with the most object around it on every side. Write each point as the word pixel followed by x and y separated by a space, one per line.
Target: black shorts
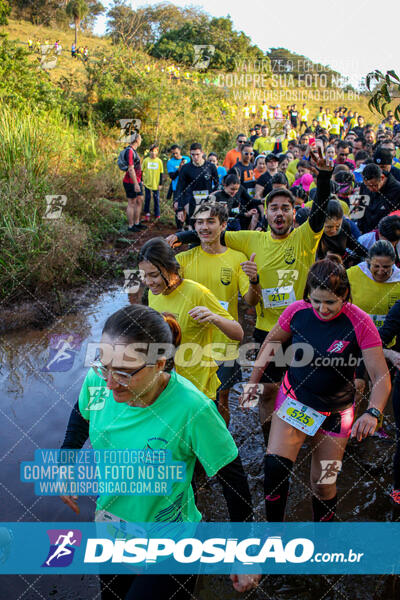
pixel 130 190
pixel 228 374
pixel 273 373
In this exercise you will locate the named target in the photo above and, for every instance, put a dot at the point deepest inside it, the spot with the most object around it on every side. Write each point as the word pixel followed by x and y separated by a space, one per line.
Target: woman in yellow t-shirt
pixel 375 288
pixel 196 309
pixel 375 283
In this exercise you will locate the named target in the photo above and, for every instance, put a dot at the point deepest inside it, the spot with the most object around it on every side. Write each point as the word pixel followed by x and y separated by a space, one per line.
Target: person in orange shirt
pixel 235 155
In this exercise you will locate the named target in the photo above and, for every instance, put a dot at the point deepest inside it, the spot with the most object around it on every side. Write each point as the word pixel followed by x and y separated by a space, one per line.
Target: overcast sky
pixel 316 28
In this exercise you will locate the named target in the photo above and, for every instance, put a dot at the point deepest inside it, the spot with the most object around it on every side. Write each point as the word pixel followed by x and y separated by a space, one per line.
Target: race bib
pixel 378 320
pixel 224 305
pixel 279 296
pixel 300 416
pixel 200 195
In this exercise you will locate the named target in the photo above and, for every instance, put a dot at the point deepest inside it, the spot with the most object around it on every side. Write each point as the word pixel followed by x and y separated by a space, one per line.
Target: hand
pixel 71 502
pixel 160 188
pixel 181 215
pixel 250 268
pixel 319 161
pixel 175 205
pixel 202 314
pixel 244 583
pixel 137 188
pixel 251 212
pixel 364 426
pixel 173 241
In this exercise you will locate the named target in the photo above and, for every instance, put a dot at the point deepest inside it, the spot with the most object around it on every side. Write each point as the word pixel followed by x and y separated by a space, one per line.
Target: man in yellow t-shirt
pixel 283 256
pixel 304 112
pixel 225 272
pixel 153 170
pixel 336 124
pixel 264 143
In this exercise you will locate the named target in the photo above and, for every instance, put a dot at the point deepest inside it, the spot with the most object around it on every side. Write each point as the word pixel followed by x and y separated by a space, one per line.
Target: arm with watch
pixel 378 372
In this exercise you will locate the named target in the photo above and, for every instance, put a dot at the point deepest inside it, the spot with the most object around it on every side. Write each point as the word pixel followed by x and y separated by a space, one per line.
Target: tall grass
pixel 42 154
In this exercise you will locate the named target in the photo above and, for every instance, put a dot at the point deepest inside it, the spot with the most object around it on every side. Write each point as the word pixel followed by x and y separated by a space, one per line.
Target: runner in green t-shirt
pixel 145 405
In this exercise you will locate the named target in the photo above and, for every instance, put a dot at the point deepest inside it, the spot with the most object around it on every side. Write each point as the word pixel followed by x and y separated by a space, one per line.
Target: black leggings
pixel 396 410
pixel 147 587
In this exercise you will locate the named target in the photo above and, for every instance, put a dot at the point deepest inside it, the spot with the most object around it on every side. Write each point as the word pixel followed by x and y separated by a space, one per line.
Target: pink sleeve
pixel 286 317
pixel 364 327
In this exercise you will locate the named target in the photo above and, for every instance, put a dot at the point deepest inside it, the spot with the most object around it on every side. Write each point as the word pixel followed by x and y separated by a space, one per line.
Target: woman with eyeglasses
pixel 375 283
pixel 197 310
pixel 147 405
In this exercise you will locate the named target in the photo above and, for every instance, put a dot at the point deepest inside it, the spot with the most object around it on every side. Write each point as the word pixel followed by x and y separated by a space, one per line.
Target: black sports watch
pixel 257 281
pixel 375 412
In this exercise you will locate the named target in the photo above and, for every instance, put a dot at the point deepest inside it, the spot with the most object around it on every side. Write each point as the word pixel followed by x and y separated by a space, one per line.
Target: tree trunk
pixel 76 31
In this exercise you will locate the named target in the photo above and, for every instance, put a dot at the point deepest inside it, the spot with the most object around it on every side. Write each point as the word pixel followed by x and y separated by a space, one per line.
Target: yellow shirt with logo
pixel 373 297
pixel 224 277
pixel 304 114
pixel 152 169
pixel 264 144
pixel 282 264
pixel 193 358
pixel 336 124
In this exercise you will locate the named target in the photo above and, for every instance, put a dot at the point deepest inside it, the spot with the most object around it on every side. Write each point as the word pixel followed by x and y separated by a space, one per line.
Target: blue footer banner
pixel 223 548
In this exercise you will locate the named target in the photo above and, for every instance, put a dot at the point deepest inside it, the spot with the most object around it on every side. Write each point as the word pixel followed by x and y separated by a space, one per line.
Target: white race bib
pixel 279 296
pixel 200 196
pixel 300 416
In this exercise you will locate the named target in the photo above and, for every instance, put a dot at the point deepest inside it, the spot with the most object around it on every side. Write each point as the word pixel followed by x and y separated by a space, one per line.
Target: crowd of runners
pixel 301 221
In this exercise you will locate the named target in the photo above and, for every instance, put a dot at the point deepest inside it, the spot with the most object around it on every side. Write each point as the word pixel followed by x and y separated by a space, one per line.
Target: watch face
pixel 374 412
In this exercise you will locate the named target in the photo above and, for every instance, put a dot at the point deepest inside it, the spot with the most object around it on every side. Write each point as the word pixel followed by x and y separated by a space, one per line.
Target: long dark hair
pixel 160 254
pixel 328 274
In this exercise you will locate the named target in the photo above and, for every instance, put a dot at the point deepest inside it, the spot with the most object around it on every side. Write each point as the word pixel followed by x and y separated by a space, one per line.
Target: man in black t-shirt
pixel 294 116
pixel 197 180
pixel 244 168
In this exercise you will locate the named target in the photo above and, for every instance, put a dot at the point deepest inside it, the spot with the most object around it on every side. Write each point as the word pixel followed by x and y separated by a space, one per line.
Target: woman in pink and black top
pixel 329 336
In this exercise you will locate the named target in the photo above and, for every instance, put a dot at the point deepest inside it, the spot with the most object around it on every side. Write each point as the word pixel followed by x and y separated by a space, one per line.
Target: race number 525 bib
pixel 279 296
pixel 300 416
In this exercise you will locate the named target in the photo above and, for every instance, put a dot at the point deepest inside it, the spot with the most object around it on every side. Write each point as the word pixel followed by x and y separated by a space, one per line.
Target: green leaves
pixel 387 88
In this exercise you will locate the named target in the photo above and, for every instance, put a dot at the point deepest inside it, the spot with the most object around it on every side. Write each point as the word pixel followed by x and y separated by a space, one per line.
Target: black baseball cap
pixel 383 157
pixel 271 156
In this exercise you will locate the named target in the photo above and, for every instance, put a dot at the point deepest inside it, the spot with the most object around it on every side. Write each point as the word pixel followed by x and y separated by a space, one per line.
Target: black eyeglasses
pixel 248 153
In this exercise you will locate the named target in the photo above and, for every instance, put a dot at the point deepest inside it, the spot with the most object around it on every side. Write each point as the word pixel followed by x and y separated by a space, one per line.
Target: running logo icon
pixel 203 54
pixel 62 352
pixel 330 469
pixel 338 346
pixel 62 547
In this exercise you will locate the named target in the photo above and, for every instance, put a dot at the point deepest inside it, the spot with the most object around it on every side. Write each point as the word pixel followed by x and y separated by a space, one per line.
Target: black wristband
pixel 256 282
pixel 375 412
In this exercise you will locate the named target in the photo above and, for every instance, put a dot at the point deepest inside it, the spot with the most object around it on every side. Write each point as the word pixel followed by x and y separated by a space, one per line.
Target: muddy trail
pixel 40 309
pixel 35 404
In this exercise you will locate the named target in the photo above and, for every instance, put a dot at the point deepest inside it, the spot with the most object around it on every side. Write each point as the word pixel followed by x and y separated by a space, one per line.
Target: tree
pixel 386 88
pixel 4 12
pixel 77 10
pixel 126 25
pixel 227 47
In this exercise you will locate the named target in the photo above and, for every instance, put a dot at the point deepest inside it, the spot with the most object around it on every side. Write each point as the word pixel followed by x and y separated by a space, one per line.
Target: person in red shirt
pixel 132 184
pixel 235 155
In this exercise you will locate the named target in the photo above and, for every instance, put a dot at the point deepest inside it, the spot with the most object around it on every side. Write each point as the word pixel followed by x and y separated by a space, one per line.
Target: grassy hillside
pixel 60 135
